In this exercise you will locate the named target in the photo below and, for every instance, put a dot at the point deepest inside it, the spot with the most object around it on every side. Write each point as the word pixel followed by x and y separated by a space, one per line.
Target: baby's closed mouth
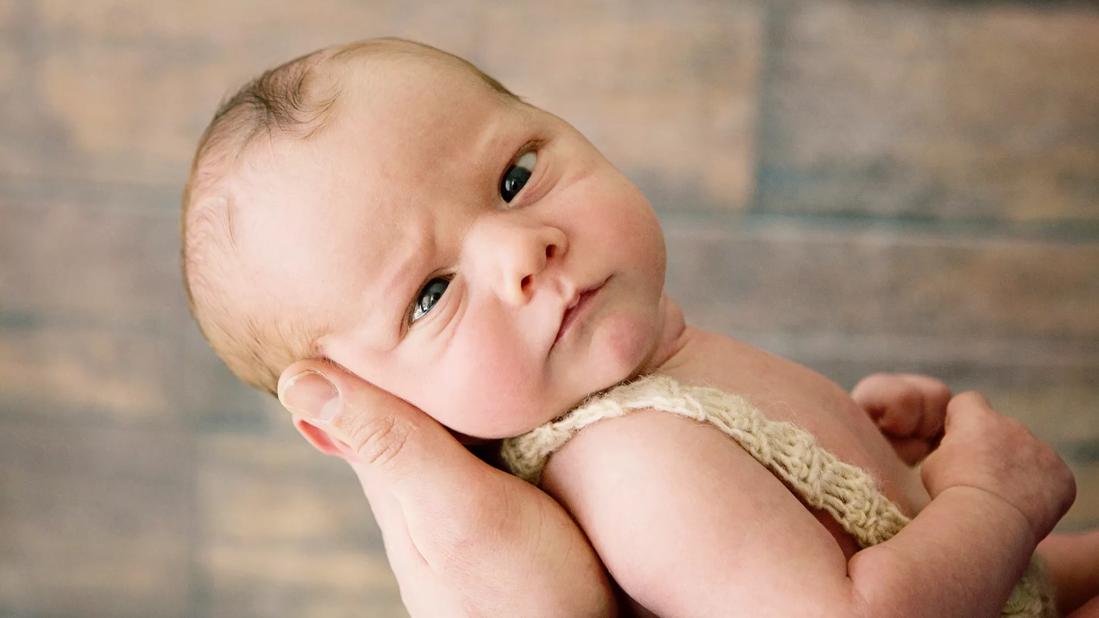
pixel 575 308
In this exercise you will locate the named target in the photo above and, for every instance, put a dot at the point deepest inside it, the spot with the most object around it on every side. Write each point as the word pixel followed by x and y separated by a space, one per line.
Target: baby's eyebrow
pixel 399 287
pixel 420 243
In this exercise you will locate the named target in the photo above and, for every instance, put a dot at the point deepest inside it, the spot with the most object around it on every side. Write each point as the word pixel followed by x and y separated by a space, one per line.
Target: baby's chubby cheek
pixel 620 343
pixel 485 408
pixel 490 389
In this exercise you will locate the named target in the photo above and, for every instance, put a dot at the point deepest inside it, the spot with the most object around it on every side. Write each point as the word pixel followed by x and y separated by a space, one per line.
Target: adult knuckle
pixel 378 440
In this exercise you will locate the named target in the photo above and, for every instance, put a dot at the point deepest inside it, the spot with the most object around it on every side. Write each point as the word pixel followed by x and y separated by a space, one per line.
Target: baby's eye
pixel 427 297
pixel 516 176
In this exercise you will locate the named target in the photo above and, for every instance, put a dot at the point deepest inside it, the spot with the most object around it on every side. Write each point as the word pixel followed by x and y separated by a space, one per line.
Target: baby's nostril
pixel 524 283
pixel 551 250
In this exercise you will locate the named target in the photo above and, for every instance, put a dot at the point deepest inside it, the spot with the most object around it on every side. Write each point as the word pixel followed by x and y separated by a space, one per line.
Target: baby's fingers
pixel 895 404
pixel 912 450
pixel 904 404
pixel 934 397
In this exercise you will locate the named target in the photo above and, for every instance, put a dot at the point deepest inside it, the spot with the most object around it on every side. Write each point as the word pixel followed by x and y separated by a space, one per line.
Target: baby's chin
pixel 629 344
pixel 476 416
pixel 624 345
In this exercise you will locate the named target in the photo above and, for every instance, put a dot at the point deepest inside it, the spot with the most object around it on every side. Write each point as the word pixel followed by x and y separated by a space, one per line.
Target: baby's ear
pixel 319 438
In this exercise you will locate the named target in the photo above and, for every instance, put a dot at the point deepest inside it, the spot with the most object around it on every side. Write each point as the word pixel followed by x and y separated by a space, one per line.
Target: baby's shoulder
pixel 723 362
pixel 627 447
pixel 660 494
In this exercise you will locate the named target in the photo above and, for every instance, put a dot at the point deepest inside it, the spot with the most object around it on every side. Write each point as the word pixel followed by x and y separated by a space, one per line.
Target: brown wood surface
pixel 859 186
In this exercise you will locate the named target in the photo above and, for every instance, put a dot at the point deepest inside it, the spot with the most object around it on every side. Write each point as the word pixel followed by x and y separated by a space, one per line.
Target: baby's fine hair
pixel 291 101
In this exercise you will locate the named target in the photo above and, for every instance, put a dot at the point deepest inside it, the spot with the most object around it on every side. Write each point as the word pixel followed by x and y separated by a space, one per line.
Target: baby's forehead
pixel 419 121
pixel 403 137
pixel 418 127
pixel 419 68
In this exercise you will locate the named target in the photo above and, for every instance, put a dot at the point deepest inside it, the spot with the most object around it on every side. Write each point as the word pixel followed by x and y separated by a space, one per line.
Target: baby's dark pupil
pixel 431 294
pixel 513 182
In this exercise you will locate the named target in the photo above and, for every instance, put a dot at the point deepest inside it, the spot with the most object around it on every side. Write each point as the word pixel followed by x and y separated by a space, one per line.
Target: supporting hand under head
pixel 462 537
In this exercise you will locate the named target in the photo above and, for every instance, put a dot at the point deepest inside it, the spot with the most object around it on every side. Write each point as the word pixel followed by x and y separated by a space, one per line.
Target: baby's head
pixel 388 207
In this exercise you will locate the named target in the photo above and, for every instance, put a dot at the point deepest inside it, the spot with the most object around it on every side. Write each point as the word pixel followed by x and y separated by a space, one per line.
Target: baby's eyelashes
pixel 511 184
pixel 427 297
pixel 517 174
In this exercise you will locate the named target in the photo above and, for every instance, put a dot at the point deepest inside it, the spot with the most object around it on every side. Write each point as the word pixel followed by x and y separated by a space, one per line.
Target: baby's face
pixel 392 228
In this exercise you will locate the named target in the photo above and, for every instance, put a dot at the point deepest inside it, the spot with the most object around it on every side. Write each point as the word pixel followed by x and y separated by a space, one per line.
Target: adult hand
pixel 462 537
pixel 909 409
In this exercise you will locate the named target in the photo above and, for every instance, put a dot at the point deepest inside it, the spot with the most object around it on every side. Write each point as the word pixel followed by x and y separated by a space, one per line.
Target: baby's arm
pixel 910 410
pixel 988 477
pixel 696 527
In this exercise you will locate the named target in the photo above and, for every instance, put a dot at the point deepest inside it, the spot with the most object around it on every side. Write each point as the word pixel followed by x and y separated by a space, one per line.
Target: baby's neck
pixel 674 335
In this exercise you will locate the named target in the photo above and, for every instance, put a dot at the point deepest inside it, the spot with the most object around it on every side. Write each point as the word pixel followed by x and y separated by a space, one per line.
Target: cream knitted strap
pixel 845 492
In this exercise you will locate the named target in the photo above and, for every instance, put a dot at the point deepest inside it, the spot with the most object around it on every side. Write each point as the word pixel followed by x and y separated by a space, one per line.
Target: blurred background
pixel 857 185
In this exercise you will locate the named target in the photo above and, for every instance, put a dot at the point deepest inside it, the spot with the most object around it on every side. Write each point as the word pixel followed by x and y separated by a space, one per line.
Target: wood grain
pixel 858 186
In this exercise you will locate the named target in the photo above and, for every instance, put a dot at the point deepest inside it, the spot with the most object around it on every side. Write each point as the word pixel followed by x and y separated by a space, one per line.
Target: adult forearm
pixel 960 556
pixel 530 564
pixel 430 593
pixel 442 596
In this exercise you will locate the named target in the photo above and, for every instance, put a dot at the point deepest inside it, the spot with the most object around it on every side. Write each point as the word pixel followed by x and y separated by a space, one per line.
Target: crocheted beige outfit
pixel 848 493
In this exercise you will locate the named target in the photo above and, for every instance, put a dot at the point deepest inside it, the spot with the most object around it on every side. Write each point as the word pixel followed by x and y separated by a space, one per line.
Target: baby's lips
pixel 311 395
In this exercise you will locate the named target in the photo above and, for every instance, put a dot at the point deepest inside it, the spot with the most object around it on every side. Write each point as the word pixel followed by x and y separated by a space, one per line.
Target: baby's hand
pixel 997 455
pixel 908 408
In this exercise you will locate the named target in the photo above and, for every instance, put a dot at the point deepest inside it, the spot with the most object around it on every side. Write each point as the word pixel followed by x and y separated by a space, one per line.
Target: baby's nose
pixel 525 260
pixel 518 254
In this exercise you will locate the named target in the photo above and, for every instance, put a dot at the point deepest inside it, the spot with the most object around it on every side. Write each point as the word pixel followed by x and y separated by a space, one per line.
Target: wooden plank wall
pixel 856 185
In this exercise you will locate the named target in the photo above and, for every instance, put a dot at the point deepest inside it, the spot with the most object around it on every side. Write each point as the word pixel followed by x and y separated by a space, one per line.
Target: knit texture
pixel 847 493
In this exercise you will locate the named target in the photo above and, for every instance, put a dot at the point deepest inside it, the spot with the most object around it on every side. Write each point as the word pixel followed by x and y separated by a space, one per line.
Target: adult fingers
pixel 391 444
pixel 438 506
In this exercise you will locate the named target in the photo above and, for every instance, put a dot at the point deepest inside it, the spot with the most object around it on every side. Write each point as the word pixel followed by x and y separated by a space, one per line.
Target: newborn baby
pixel 389 207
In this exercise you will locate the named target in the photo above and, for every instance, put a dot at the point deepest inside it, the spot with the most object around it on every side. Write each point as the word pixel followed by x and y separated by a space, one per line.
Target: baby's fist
pixel 908 408
pixel 998 455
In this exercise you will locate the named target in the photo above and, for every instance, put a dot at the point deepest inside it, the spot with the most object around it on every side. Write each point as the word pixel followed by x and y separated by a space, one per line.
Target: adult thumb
pixel 382 436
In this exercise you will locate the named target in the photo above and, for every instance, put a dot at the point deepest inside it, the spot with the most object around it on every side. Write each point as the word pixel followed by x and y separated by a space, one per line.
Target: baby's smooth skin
pixel 435 287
